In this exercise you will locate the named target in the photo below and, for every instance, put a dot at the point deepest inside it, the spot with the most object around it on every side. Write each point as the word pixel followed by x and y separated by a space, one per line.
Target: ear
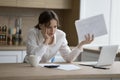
pixel 41 26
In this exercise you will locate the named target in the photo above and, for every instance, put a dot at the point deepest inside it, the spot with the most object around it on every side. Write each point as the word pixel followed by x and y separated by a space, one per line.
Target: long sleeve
pixel 68 54
pixel 34 46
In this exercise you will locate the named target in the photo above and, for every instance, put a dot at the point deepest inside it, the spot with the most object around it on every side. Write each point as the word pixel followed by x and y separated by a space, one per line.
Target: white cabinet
pixel 12 56
pixel 92 56
pixel 23 54
pixel 89 56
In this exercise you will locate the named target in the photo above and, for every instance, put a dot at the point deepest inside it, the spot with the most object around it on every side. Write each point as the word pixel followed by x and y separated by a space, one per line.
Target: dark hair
pixel 45 18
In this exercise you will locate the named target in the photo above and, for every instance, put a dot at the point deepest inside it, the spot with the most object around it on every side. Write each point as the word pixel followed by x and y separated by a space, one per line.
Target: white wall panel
pixel 115 22
pixel 94 7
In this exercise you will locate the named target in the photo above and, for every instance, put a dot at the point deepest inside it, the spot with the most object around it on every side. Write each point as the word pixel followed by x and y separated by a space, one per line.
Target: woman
pixel 45 40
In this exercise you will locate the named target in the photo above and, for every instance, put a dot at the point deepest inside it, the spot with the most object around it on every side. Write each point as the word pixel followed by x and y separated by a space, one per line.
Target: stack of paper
pixel 62 66
pixel 68 67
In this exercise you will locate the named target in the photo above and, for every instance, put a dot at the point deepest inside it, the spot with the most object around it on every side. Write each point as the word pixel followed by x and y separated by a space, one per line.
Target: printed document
pixel 66 67
pixel 93 25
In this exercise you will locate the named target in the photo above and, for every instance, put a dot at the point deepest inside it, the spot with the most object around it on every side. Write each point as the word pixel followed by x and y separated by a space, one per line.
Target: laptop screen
pixel 107 55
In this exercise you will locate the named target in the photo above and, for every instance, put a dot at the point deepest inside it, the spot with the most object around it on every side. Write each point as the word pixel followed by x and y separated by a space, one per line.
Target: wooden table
pixel 22 71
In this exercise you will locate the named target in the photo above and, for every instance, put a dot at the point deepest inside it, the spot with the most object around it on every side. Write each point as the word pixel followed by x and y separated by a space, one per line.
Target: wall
pixel 95 7
pixel 111 11
pixel 115 22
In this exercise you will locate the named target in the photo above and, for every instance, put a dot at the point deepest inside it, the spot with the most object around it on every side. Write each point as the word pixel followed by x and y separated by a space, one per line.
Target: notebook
pixel 106 57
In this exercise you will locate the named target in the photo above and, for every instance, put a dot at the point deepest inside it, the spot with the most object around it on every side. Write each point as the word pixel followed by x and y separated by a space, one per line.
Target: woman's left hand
pixel 88 39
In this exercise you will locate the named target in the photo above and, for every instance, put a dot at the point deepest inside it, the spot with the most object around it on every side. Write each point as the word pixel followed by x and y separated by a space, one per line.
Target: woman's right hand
pixel 45 35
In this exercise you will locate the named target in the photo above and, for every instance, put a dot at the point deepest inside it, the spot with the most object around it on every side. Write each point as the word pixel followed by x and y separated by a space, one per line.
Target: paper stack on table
pixel 66 67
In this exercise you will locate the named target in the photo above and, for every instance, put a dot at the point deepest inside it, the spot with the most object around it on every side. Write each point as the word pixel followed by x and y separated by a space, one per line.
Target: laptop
pixel 106 57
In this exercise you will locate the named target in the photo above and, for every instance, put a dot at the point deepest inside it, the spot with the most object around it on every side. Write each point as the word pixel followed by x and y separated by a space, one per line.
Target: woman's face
pixel 51 29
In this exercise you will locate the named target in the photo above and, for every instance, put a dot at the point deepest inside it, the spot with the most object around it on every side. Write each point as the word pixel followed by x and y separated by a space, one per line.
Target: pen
pixel 51 66
pixel 100 67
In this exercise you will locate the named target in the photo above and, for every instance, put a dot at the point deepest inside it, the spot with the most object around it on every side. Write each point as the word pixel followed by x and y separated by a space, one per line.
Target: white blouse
pixel 35 46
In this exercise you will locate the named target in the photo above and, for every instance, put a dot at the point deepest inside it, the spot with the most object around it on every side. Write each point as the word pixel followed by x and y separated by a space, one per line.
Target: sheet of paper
pixel 93 25
pixel 49 64
pixel 89 62
pixel 68 67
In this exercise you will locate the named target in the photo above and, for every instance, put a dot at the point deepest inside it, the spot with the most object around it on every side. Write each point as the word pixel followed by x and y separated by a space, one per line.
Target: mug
pixel 33 60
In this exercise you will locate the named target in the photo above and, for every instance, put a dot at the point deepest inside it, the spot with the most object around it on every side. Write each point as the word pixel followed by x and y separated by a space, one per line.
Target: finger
pixel 45 30
pixel 85 37
pixel 89 37
pixel 92 37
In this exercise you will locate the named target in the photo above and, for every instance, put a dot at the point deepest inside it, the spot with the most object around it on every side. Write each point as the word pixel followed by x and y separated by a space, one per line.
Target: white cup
pixel 34 60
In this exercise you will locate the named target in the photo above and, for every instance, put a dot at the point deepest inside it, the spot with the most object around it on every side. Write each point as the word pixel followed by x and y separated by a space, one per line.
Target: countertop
pixel 15 48
pixel 12 47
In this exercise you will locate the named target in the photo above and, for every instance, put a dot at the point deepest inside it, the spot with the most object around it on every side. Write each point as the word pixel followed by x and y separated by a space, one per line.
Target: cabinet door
pixel 89 56
pixel 23 55
pixel 58 4
pixel 7 2
pixel 31 3
pixel 10 57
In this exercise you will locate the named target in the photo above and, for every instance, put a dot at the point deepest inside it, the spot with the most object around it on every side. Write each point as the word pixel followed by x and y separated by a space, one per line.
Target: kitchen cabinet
pixel 89 56
pixel 31 3
pixel 11 3
pixel 58 4
pixel 55 4
pixel 12 56
pixel 92 54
